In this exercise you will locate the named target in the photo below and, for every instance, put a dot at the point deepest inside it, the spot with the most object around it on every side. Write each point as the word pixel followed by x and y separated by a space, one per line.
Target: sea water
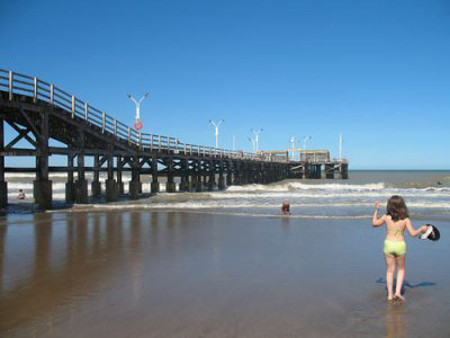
pixel 427 193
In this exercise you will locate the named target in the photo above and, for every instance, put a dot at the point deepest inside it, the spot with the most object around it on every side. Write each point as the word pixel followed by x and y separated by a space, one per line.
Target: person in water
pixel 21 195
pixel 397 221
pixel 285 208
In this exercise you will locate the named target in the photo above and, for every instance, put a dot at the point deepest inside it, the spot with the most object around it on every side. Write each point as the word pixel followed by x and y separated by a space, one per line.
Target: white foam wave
pixel 303 186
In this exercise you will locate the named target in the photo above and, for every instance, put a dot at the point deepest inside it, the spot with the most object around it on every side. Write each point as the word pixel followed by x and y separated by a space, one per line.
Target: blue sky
pixel 377 71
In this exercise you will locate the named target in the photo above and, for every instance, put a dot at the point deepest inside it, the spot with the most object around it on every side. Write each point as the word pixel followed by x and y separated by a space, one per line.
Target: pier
pixel 39 113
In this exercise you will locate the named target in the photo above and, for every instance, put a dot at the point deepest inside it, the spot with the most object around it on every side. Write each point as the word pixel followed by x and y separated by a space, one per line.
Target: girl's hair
pixel 396 208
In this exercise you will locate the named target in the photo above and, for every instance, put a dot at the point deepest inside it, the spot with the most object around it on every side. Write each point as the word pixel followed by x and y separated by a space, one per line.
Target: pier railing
pixel 19 84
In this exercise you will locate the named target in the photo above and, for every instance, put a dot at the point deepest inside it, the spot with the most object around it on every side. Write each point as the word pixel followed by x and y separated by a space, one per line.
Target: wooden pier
pixel 40 112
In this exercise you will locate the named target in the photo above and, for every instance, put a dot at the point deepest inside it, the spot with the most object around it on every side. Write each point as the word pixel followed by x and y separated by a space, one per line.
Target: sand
pixel 143 274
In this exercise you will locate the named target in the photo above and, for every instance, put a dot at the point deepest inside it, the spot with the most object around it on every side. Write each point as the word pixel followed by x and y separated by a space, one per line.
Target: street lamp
pixel 217 130
pixel 293 141
pixel 138 122
pixel 306 138
pixel 256 133
pixel 253 141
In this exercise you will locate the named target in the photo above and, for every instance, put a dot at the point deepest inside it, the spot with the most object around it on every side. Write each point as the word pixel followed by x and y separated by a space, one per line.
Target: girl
pixel 397 220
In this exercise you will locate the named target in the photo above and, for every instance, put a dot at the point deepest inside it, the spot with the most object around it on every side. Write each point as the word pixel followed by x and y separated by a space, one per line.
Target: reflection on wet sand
pixel 73 259
pixel 395 321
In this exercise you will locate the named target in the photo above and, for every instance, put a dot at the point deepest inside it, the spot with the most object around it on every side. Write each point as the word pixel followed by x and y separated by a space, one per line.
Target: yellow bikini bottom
pixel 394 248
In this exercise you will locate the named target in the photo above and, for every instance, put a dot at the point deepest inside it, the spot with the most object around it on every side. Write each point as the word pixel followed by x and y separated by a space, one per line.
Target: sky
pixel 377 71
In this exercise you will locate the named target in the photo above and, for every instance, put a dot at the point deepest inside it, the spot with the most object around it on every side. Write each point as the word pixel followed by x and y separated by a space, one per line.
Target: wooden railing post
pixel 151 142
pixel 52 92
pixel 73 107
pixel 168 143
pixel 115 127
pixel 140 141
pixel 103 122
pixel 35 89
pixel 86 111
pixel 159 142
pixel 11 79
pixel 129 135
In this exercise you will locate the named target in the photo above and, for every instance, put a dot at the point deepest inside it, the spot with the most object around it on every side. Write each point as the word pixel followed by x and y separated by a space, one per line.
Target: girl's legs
pixel 400 261
pixel 390 270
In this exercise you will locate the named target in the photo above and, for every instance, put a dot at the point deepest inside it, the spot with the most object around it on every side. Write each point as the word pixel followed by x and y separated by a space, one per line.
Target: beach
pixel 138 271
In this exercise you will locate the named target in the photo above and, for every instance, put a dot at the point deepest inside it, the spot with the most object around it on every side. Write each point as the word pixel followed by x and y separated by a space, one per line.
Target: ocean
pixel 427 194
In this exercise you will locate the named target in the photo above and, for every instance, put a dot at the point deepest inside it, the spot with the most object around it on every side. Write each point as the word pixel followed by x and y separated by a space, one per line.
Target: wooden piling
pixel 3 183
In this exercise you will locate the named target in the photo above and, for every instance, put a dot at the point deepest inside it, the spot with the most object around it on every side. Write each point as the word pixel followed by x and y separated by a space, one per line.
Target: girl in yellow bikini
pixel 396 220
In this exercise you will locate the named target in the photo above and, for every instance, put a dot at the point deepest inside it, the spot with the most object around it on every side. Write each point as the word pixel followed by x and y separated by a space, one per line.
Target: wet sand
pixel 143 274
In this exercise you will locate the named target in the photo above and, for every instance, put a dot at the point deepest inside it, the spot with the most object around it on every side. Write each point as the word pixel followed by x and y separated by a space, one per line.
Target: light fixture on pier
pixel 293 142
pixel 256 132
pixel 138 123
pixel 252 140
pixel 306 138
pixel 216 125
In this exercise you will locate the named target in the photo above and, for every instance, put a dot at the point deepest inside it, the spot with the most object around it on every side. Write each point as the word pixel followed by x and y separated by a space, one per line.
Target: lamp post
pixel 253 141
pixel 256 132
pixel 138 122
pixel 306 138
pixel 293 141
pixel 216 125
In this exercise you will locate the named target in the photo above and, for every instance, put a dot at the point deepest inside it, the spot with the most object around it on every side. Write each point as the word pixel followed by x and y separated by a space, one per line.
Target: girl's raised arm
pixel 412 232
pixel 376 222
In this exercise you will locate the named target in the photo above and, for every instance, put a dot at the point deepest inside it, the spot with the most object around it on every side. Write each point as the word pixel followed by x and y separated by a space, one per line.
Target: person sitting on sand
pixel 21 195
pixel 285 208
pixel 396 220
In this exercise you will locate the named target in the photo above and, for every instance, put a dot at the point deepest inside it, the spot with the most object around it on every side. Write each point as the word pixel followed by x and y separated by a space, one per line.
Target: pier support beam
pixel 96 187
pixel 120 185
pixel 3 183
pixel 111 190
pixel 110 183
pixel 170 184
pixel 329 171
pixel 81 191
pixel 211 182
pixel 199 186
pixel 81 185
pixel 70 186
pixel 135 186
pixel 3 194
pixel 343 171
pixel 155 184
pixel 221 182
pixel 43 193
pixel 184 184
pixel 236 173
pixel 229 178
pixel 42 185
pixel 211 176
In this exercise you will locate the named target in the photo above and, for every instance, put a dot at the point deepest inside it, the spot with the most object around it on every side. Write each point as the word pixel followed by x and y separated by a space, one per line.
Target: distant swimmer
pixel 21 195
pixel 285 208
